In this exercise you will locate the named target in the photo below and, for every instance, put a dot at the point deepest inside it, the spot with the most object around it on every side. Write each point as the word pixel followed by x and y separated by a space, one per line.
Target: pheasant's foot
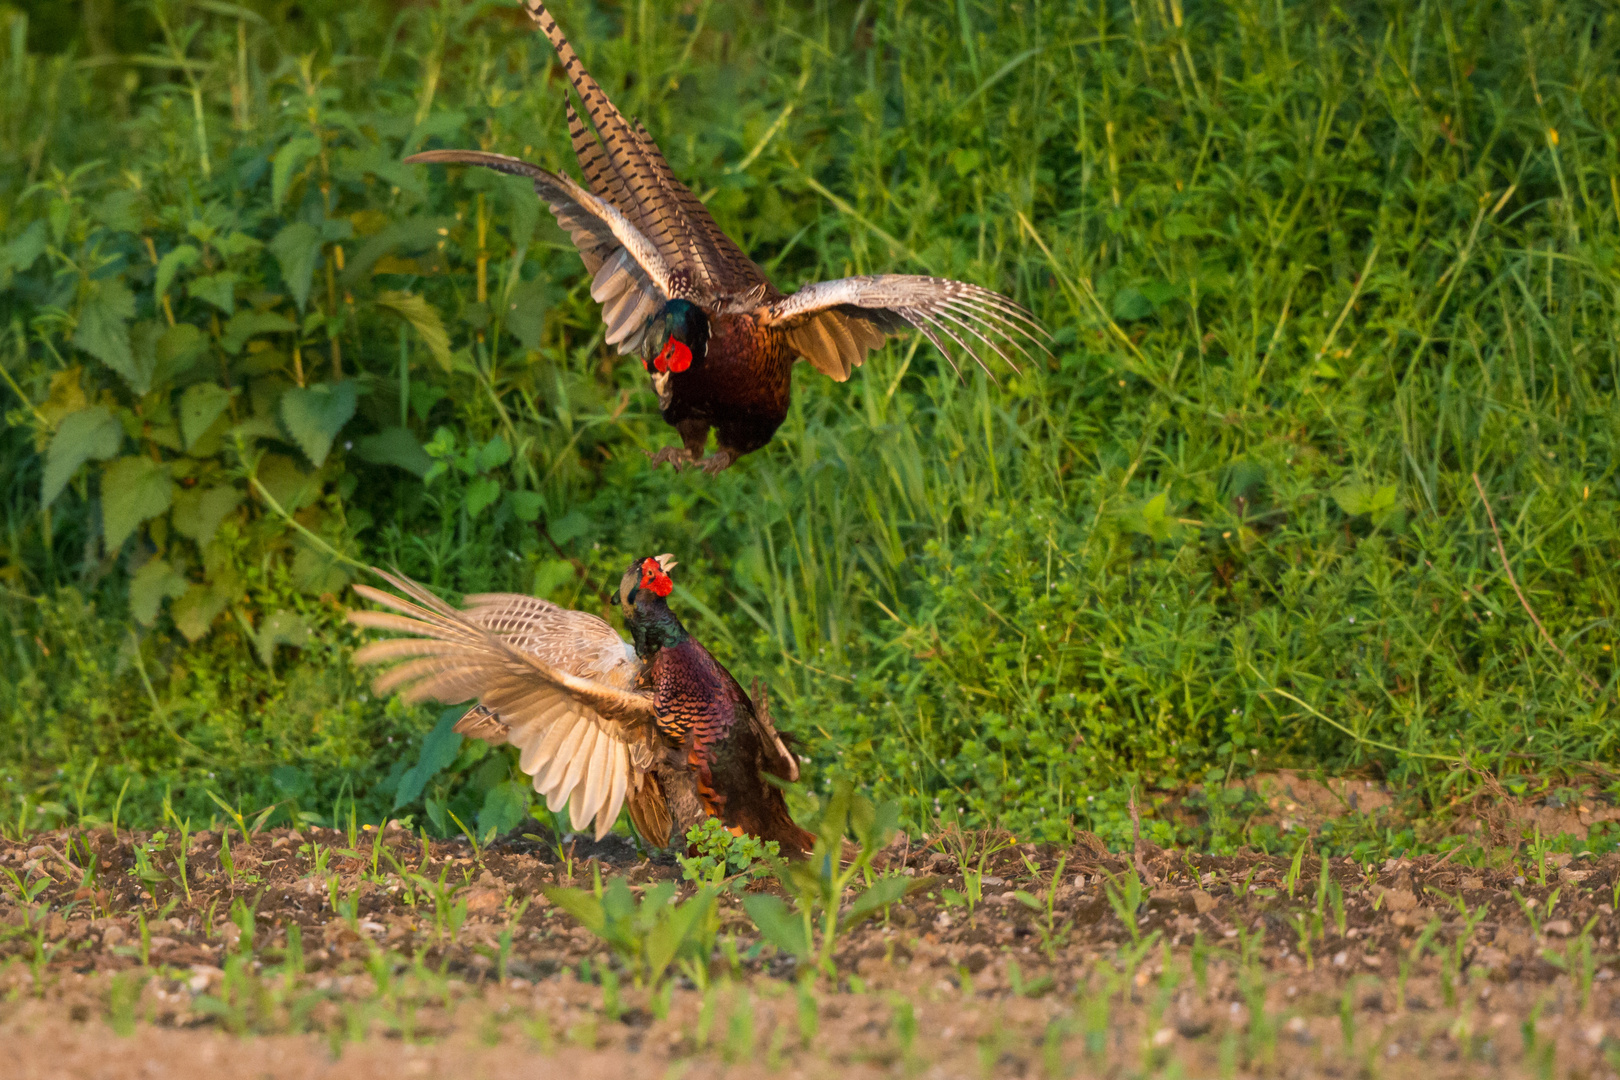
pixel 718 462
pixel 677 457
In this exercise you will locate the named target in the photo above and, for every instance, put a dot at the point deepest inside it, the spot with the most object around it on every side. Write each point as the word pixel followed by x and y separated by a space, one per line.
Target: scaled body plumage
pixel 655 725
pixel 716 337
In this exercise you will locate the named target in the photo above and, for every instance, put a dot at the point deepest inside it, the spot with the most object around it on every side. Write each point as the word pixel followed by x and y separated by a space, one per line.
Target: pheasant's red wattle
pixel 655 580
pixel 676 356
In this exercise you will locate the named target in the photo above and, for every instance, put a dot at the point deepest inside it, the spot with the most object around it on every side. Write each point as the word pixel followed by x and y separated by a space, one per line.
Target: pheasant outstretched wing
pixel 623 165
pixel 632 279
pixel 557 684
pixel 834 324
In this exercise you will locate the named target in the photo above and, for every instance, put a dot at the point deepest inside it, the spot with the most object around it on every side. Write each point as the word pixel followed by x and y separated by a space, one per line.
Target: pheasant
pixel 717 338
pixel 654 724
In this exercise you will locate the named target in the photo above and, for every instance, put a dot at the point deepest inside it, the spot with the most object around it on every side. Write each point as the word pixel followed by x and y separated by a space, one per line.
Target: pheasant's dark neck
pixel 655 627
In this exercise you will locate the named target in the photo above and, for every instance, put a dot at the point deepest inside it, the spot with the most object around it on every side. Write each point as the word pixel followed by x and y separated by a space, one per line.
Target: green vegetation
pixel 1310 270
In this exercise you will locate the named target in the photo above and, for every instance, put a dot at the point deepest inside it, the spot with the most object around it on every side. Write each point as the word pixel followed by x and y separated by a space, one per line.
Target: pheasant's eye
pixel 676 356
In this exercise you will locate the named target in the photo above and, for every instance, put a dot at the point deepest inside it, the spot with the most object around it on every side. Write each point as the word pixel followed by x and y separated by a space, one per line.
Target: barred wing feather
pixel 834 324
pixel 631 279
pixel 557 684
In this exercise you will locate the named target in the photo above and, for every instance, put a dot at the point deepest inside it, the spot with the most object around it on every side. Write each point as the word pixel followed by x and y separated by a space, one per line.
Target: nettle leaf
pixel 103 330
pixel 398 447
pixel 195 612
pixel 133 489
pixel 20 254
pixel 424 319
pixel 481 493
pixel 92 434
pixel 174 352
pixel 314 415
pixel 526 308
pixel 246 324
pixel 494 454
pixel 439 749
pixel 281 628
pixel 200 406
pixel 292 156
pixel 150 585
pixel 198 512
pixel 505 807
pixel 218 289
pixel 526 505
pixel 297 249
pixel 183 257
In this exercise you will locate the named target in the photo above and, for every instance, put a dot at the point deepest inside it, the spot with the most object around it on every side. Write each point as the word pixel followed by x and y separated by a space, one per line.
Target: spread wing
pixel 632 279
pixel 623 165
pixel 557 684
pixel 834 324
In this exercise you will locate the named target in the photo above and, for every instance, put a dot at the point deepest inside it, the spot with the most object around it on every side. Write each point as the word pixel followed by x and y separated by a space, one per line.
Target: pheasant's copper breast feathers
pixel 555 683
pixel 834 324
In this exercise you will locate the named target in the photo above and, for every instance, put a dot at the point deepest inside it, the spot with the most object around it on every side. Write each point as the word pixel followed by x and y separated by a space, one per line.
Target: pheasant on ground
pixel 718 339
pixel 654 724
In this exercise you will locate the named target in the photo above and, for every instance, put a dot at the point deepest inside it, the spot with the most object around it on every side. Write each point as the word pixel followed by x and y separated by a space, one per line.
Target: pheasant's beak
pixel 675 357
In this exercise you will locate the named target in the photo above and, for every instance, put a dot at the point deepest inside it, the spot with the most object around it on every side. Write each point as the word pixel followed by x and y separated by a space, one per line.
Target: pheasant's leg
pixel 677 457
pixel 719 461
pixel 694 436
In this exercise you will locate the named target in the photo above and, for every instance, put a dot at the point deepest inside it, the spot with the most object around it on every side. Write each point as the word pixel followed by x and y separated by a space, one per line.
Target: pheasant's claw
pixel 717 462
pixel 676 457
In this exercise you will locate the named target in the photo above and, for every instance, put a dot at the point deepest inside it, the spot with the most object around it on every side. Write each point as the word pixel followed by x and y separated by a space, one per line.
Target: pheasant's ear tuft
pixel 654 579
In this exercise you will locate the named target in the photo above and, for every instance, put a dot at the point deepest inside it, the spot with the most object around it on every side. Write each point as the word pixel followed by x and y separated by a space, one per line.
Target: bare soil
pixel 1235 966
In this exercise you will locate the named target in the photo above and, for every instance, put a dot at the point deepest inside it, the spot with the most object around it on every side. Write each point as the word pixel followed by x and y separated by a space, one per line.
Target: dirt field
pixel 432 962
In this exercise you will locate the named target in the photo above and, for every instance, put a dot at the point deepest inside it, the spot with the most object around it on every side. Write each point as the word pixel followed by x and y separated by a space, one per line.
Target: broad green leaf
pixel 200 406
pixel 92 434
pixel 148 587
pixel 297 249
pixel 133 489
pixel 494 454
pixel 103 330
pixel 1130 304
pixel 315 572
pixel 196 611
pixel 480 494
pixel 505 807
pixel 234 244
pixel 526 505
pixel 398 447
pixel 884 891
pixel 218 289
pixel 174 352
pixel 294 153
pixel 183 257
pixel 676 931
pixel 777 924
pixel 199 511
pixel 424 319
pixel 246 324
pixel 439 749
pixel 585 907
pixel 280 628
pixel 314 415
pixel 286 482
pixel 20 254
pixel 526 308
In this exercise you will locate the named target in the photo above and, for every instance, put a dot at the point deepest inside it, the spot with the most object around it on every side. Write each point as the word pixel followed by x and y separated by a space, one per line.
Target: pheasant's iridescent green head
pixel 650 576
pixel 686 330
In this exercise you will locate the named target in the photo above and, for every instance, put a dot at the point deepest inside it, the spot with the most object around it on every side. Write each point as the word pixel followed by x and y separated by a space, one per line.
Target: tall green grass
pixel 1310 269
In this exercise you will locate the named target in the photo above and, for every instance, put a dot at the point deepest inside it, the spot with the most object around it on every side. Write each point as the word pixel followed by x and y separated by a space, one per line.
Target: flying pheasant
pixel 654 724
pixel 718 339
